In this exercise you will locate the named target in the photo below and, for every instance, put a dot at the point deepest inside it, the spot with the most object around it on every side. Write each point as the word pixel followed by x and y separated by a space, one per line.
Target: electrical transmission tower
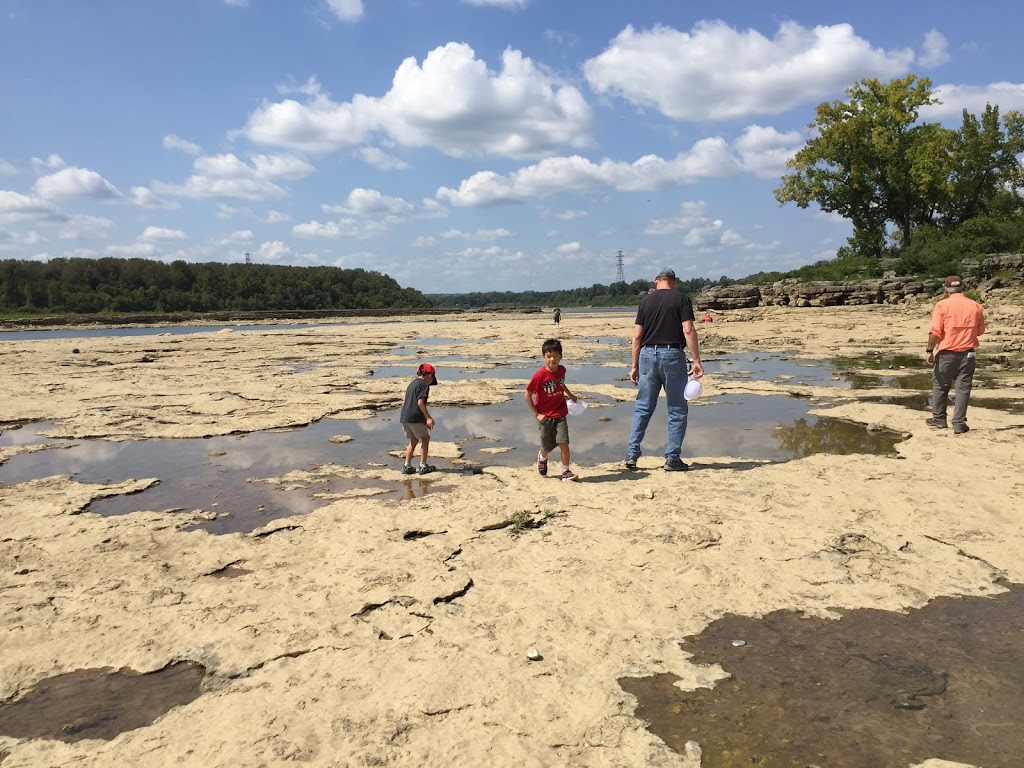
pixel 619 275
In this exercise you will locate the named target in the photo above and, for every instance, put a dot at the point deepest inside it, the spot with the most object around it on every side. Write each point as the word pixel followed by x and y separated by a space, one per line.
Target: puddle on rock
pixel 805 437
pixel 913 373
pixel 916 380
pixel 922 402
pixel 874 688
pixel 213 474
pixel 99 703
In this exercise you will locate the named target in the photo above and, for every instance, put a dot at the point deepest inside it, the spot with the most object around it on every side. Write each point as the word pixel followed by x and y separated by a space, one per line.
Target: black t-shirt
pixel 411 413
pixel 662 315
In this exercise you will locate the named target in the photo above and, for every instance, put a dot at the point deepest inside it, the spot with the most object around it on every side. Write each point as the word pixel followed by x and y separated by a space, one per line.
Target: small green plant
pixel 523 520
pixel 519 522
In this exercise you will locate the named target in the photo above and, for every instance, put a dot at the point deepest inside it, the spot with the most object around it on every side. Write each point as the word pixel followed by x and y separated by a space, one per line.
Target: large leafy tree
pixel 871 161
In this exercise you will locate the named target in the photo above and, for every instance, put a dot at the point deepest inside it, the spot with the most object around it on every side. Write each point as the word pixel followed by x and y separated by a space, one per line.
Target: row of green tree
pixel 921 197
pixel 110 285
pixel 614 295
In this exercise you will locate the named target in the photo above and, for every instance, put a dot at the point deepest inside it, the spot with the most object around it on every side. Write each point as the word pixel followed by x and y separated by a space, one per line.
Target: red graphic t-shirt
pixel 548 396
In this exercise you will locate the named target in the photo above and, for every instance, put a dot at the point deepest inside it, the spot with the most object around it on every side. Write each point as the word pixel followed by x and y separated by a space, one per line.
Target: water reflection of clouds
pixel 26 434
pixel 740 426
pixel 64 458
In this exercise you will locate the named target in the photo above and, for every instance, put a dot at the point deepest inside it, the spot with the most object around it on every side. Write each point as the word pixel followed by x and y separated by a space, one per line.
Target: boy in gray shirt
pixel 416 419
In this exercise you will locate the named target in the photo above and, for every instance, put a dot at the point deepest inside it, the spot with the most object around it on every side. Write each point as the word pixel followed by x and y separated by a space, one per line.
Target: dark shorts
pixel 553 432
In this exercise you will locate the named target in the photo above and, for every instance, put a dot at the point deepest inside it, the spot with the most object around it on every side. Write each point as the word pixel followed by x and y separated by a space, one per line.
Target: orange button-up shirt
pixel 957 322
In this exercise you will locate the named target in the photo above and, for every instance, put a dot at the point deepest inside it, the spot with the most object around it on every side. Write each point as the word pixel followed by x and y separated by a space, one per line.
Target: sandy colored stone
pixel 612 572
pixel 439 449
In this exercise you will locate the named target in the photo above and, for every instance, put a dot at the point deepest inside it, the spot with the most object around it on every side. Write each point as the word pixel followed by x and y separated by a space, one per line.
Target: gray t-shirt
pixel 411 413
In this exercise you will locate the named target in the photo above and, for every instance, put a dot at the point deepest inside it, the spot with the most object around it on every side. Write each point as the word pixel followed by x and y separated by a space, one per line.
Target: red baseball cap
pixel 425 369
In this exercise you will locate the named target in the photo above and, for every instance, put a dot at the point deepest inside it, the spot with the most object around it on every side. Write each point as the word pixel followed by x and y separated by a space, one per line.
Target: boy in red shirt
pixel 545 395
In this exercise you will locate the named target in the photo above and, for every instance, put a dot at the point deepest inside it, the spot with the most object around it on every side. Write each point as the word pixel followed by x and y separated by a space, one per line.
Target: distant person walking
pixel 558 316
pixel 957 322
pixel 664 323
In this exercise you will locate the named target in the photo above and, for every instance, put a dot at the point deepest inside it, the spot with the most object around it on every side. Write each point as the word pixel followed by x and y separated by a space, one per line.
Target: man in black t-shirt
pixel 664 324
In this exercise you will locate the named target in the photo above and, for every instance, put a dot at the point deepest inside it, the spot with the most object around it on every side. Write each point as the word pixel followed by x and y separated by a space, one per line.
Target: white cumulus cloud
pixel 51 163
pixel 763 151
pixel 346 10
pixel 158 234
pixel 370 202
pixel 956 98
pixel 356 229
pixel 716 72
pixel 381 160
pixel 14 205
pixel 229 176
pixel 72 183
pixel 707 158
pixel 451 102
pixel 934 50
pixel 481 235
pixel 144 197
pixel 182 145
pixel 82 227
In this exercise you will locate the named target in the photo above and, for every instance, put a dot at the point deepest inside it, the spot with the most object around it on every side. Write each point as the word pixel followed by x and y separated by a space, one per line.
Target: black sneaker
pixel 935 423
pixel 961 429
pixel 631 465
pixel 676 465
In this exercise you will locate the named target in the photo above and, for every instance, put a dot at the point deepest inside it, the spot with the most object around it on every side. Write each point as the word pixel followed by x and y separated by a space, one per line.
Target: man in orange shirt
pixel 957 322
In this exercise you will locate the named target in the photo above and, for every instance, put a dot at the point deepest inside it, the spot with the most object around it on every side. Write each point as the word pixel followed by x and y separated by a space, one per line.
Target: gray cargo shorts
pixel 553 432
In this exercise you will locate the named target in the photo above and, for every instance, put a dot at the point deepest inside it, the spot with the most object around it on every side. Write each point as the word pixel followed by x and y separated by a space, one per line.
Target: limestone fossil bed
pixel 384 632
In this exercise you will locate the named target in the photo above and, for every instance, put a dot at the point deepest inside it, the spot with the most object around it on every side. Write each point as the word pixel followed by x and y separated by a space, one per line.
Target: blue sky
pixel 455 145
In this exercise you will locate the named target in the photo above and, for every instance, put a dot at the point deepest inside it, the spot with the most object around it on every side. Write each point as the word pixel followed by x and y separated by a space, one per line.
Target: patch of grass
pixel 519 522
pixel 523 520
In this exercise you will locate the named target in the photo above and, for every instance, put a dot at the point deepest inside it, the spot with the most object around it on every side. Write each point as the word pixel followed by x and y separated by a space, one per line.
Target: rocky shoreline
pixel 996 271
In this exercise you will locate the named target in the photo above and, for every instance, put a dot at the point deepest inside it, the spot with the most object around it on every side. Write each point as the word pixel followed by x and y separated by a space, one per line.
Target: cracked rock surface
pixel 383 632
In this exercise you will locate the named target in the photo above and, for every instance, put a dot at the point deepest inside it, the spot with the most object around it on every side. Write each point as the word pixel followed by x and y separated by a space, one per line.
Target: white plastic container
pixel 575 409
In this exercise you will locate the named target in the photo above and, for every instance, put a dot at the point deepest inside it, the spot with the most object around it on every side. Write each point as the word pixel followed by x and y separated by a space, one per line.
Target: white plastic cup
pixel 693 389
pixel 575 409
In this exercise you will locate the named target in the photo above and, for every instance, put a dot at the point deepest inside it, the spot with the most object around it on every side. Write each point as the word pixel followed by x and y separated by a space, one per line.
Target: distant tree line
pixel 619 294
pixel 110 285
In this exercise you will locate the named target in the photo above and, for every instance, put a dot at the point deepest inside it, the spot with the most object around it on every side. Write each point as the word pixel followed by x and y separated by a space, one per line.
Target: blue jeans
pixel 660 368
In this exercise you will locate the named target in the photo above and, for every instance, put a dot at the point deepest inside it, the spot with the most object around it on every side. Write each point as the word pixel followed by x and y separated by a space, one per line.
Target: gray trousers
pixel 952 368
